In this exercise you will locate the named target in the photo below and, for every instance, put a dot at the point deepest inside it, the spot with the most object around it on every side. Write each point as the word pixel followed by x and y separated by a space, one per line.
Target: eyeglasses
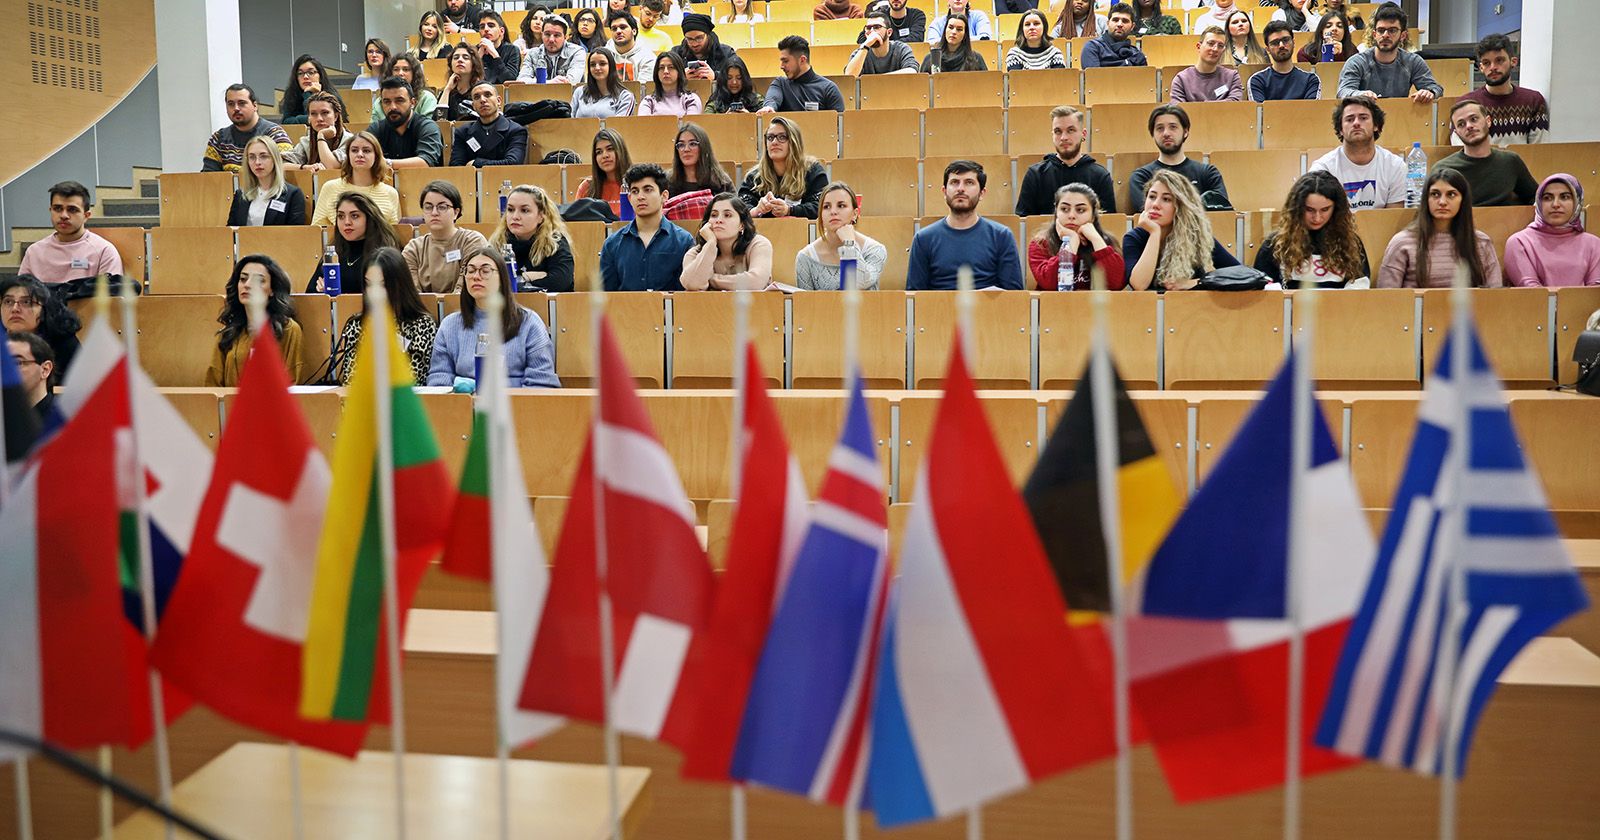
pixel 1386 30
pixel 21 362
pixel 777 138
pixel 28 302
pixel 307 74
pixel 1280 42
pixel 871 26
pixel 490 270
pixel 438 208
pixel 688 144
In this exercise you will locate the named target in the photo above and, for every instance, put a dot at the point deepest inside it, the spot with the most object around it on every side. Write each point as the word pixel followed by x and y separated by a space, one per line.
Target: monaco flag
pixel 654 570
pixel 233 628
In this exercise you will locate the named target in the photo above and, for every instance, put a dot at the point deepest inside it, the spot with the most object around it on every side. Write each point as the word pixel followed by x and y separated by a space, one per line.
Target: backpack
pixel 1587 354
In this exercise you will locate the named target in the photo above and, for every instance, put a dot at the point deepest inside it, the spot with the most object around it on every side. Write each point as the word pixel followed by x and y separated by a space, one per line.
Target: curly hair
pixel 1188 246
pixel 235 320
pixel 792 183
pixel 1341 245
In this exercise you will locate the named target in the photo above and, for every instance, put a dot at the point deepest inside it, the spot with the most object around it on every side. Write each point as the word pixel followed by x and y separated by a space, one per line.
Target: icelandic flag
pixel 805 721
pixel 1491 524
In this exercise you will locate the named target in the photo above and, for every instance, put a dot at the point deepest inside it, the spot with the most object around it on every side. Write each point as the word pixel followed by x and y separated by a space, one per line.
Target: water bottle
pixel 478 355
pixel 624 208
pixel 330 271
pixel 510 255
pixel 540 75
pixel 1066 270
pixel 505 193
pixel 1327 51
pixel 1416 174
pixel 849 258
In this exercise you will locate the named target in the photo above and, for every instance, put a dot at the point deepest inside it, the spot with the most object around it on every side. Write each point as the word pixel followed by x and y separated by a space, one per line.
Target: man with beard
pixel 906 24
pixel 225 149
pixel 703 55
pixel 1169 127
pixel 459 15
pixel 408 139
pixel 491 139
pixel 1372 175
pixel 963 238
pixel 1114 48
pixel 1516 114
pixel 1386 70
pixel 1282 80
pixel 1070 164
pixel 1497 176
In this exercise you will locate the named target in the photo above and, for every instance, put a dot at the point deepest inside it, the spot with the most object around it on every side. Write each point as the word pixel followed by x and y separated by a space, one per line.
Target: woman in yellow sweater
pixel 365 172
pixel 255 275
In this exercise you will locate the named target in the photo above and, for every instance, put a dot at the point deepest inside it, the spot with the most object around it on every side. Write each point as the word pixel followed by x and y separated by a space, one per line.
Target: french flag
pixel 804 724
pixel 982 688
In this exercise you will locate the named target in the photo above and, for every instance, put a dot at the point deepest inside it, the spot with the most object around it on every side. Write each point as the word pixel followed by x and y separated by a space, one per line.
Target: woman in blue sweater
pixel 530 360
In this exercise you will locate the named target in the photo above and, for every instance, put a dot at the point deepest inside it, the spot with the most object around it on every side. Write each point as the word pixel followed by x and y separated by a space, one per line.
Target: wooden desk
pixel 1584 628
pixel 245 793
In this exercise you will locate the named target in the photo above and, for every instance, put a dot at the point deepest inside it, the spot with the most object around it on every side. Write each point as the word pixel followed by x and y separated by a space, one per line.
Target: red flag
pixel 658 578
pixel 232 633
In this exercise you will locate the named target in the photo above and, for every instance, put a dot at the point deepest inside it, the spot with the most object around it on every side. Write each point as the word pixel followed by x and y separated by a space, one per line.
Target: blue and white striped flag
pixel 1386 702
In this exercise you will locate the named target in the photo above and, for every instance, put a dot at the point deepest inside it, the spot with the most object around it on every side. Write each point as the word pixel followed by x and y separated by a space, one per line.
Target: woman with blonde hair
pixel 532 226
pixel 1316 243
pixel 816 266
pixel 365 172
pixel 264 197
pixel 1171 247
pixel 742 11
pixel 787 182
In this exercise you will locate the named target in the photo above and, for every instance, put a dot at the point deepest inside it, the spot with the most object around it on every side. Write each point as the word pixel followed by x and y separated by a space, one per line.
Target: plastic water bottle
pixel 478 355
pixel 625 208
pixel 330 271
pixel 510 255
pixel 849 258
pixel 1327 51
pixel 1416 174
pixel 505 193
pixel 1067 270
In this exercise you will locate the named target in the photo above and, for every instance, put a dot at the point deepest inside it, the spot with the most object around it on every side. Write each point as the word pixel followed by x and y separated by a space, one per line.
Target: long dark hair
pixel 293 103
pixel 1341 243
pixel 379 233
pixel 510 314
pixel 1044 36
pixel 746 95
pixel 56 321
pixel 1462 231
pixel 593 42
pixel 965 49
pixel 366 69
pixel 747 225
pixel 419 79
pixel 397 282
pixel 1067 24
pixel 624 160
pixel 591 88
pixel 475 76
pixel 707 172
pixel 677 64
pixel 235 320
pixel 1348 45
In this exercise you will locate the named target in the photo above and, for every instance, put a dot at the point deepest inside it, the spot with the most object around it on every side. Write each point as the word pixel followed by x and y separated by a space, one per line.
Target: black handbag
pixel 1587 354
pixel 1233 278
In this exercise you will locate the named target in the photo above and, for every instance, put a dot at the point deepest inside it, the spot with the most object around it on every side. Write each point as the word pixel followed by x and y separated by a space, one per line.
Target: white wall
pixel 197 49
pixel 1556 36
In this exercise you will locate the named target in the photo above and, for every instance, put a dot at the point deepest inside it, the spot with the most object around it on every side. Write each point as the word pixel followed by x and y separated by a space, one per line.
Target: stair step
pixel 121 207
pixel 149 188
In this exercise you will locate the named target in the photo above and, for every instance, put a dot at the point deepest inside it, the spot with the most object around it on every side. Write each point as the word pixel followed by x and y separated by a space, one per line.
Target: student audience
pixel 36 365
pixel 602 93
pixel 539 241
pixel 306 76
pixel 836 10
pixel 1297 13
pixel 491 139
pixel 28 305
pixel 1033 50
pixel 1243 47
pixel 1148 19
pixel 696 175
pixel 591 33
pixel 704 56
pixel 906 23
pixel 1169 127
pixel 1218 16
pixel 466 71
pixel 323 146
pixel 671 94
pixel 412 319
pixel 609 161
pixel 408 66
pixel 977 23
pixel 1208 80
pixel 1352 15
pixel 377 57
pixel 954 53
pixel 1388 70
pixel 1372 175
pixel 728 253
pixel 502 60
pixel 1282 79
pixel 1078 20
pixel 1070 164
pixel 434 255
pixel 627 47
pixel 1171 247
pixel 742 11
pixel 264 197
pixel 1077 237
pixel 800 88
pixel 1316 238
pixel 1498 176
pixel 734 93
pixel 787 181
pixel 529 352
pixel 225 149
pixel 1115 47
pixel 359 231
pixel 430 36
pixel 647 253
pixel 1333 29
pixel 1516 114
pixel 560 59
pixel 880 53
pixel 1554 250
pixel 1426 253
pixel 71 251
pixel 254 276
pixel 364 171
pixel 409 139
pixel 963 238
pixel 816 266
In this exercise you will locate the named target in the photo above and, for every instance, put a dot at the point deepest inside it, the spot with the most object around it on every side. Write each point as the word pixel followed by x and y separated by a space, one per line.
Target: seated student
pixel 704 56
pixel 836 10
pixel 254 275
pixel 1033 50
pixel 1077 237
pixel 742 11
pixel 816 266
pixel 377 56
pixel 413 321
pixel 588 30
pixel 459 15
pixel 800 88
pixel 1333 31
pixel 1386 70
pixel 954 53
pixel 671 95
pixel 365 171
pixel 608 162
pixel 1243 47
pixel 1356 22
pixel 430 36
pixel 1316 238
pixel 977 22
pixel 1282 80
pixel 530 354
pixel 696 175
pixel 602 93
pixel 306 76
pixel 647 253
pixel 787 181
pixel 728 254
pixel 1115 47
pixel 1425 254
pixel 466 72
pixel 28 306
pixel 408 67
pixel 502 60
pixel 1498 176
pixel 1208 80
pixel 1070 164
pixel 225 148
pixel 71 251
pixel 879 53
pixel 1516 114
pixel 733 94
pixel 491 139
pixel 1372 175
pixel 532 226
pixel 1169 127
pixel 561 59
pixel 1171 247
pixel 434 255
pixel 963 238
pixel 906 23
pixel 652 12
pixel 263 196
pixel 1296 13
pixel 358 233
pixel 627 47
pixel 1078 20
pixel 1554 250
pixel 409 139
pixel 36 365
pixel 326 136
pixel 1148 19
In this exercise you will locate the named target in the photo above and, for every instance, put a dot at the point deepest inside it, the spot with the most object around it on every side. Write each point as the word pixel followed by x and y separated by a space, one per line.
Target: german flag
pixel 1063 495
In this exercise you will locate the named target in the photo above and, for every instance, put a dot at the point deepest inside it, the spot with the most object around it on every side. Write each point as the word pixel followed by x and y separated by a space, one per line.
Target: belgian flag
pixel 1063 495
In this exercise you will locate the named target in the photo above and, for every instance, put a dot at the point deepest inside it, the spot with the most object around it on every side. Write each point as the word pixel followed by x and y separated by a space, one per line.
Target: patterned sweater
pixel 1522 116
pixel 416 338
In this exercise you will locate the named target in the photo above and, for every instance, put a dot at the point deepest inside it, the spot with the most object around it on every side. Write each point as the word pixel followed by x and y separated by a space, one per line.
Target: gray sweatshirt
pixel 1394 80
pixel 571 62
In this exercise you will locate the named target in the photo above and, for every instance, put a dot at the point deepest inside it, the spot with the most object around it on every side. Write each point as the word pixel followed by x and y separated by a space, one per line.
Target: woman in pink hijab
pixel 1554 250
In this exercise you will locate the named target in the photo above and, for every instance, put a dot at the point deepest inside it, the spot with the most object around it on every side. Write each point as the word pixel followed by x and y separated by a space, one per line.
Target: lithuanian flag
pixel 343 671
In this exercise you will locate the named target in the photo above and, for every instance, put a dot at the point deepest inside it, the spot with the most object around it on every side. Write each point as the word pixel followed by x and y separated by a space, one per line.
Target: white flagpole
pixel 1456 584
pixel 966 300
pixel 147 580
pixel 608 645
pixel 1107 455
pixel 852 343
pixel 1299 544
pixel 20 771
pixel 487 398
pixel 737 822
pixel 106 801
pixel 377 330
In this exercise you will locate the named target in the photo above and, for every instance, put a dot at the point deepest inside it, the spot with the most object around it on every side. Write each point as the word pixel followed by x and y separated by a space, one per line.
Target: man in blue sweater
pixel 1114 48
pixel 963 238
pixel 647 255
pixel 1282 80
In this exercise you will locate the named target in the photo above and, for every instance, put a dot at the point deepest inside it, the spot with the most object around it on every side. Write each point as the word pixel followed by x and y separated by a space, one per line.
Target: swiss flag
pixel 232 632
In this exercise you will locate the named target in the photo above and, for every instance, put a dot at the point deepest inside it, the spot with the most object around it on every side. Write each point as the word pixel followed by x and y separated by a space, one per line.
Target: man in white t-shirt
pixel 1372 175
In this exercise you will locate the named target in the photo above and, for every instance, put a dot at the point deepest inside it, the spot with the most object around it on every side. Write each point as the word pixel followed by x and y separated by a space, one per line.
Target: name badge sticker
pixel 1222 90
pixel 277 205
pixel 80 262
pixel 473 144
pixel 452 256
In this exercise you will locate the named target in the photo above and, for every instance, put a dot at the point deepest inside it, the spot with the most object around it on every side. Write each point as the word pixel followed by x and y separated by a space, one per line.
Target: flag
pixel 656 575
pixel 493 537
pixel 344 672
pixel 1490 524
pixel 981 687
pixel 232 633
pixel 803 728
pixel 768 525
pixel 1212 692
pixel 1063 495
pixel 74 668
pixel 16 413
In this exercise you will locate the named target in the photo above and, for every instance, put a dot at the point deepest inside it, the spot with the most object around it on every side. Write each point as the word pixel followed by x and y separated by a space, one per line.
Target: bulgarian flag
pixel 343 673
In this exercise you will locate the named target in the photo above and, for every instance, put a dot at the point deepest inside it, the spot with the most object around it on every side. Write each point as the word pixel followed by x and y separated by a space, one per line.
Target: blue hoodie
pixel 1106 51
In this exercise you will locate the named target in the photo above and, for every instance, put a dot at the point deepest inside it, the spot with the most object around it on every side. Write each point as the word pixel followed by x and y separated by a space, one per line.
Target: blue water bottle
pixel 849 258
pixel 330 271
pixel 478 356
pixel 540 75
pixel 624 208
pixel 510 255
pixel 1327 51
pixel 505 193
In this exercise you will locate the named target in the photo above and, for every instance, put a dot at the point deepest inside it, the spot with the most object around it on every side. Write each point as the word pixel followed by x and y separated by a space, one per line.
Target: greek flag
pixel 1491 523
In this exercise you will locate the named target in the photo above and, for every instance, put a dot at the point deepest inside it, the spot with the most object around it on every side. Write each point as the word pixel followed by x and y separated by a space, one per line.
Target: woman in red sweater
pixel 1076 236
